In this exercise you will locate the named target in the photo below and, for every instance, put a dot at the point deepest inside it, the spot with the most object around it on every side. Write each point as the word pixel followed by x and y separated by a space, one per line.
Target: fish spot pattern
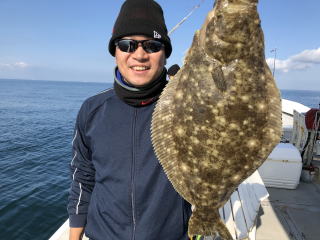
pixel 219 118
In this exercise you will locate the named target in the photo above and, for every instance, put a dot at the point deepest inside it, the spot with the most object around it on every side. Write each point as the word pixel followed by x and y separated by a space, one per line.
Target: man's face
pixel 139 67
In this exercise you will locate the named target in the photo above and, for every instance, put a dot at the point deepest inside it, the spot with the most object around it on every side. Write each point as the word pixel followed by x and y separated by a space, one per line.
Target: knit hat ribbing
pixel 141 17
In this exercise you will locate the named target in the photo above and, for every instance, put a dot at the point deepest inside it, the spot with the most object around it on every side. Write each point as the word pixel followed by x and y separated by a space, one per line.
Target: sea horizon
pixel 110 82
pixel 45 80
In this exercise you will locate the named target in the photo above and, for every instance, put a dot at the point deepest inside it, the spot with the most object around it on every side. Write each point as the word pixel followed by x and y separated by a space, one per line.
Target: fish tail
pixel 208 224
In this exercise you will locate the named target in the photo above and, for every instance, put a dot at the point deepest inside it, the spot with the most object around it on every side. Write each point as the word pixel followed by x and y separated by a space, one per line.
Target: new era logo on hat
pixel 156 35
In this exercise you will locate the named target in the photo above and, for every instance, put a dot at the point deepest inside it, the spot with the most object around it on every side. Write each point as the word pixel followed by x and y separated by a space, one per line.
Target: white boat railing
pixel 241 211
pixel 299 132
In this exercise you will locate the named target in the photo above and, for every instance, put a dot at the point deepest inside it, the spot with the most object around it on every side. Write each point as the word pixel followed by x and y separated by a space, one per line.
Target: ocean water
pixel 36 128
pixel 308 98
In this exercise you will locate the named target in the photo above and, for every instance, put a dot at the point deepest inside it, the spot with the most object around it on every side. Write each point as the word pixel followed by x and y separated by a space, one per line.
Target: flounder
pixel 219 118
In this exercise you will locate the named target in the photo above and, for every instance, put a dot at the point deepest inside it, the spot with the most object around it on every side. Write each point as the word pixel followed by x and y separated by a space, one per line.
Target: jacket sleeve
pixel 82 174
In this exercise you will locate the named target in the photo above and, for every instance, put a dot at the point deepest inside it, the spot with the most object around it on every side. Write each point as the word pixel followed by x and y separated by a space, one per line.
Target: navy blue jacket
pixel 119 190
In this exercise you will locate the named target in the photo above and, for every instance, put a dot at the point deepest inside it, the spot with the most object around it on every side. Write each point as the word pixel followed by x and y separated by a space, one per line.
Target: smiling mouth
pixel 140 68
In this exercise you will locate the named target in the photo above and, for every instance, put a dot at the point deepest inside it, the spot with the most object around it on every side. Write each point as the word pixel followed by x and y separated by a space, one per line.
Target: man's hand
pixel 76 233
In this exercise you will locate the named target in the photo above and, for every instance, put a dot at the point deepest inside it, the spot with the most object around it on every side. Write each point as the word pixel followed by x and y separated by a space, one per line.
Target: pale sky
pixel 66 40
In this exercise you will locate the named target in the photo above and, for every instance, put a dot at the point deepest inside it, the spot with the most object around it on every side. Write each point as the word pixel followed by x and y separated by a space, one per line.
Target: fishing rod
pixel 186 17
pixel 274 60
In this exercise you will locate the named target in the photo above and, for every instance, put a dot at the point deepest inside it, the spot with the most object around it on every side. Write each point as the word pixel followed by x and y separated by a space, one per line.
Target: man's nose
pixel 140 53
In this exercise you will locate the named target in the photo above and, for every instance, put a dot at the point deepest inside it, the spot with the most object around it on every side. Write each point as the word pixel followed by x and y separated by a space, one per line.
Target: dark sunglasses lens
pixel 127 45
pixel 152 46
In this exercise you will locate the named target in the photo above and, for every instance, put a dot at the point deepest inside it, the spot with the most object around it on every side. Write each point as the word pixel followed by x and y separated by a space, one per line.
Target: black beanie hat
pixel 141 17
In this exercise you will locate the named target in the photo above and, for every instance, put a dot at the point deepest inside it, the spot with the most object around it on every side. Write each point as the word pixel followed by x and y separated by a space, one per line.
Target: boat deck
pixel 291 214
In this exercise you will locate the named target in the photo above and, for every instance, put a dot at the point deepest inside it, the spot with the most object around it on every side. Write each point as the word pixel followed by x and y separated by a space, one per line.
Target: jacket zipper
pixel 132 174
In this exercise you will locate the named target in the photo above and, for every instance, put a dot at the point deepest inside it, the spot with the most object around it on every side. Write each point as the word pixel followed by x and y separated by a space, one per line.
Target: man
pixel 119 190
pixel 172 71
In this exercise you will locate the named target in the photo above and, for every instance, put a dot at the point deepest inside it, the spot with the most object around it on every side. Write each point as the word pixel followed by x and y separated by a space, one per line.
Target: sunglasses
pixel 130 45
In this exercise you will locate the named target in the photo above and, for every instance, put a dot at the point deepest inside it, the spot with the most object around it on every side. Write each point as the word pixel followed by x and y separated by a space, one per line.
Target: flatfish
pixel 219 118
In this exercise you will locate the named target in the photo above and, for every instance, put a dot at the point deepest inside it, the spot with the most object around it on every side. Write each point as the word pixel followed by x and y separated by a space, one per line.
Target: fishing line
pixel 185 18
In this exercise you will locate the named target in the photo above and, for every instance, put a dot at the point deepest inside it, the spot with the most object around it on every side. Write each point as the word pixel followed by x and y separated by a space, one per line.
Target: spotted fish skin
pixel 219 118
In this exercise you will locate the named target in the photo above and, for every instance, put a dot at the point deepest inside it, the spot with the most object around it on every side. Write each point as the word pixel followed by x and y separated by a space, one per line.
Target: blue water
pixel 308 98
pixel 36 128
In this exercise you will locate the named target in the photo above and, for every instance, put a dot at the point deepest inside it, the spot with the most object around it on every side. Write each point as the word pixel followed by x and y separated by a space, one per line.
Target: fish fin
pixel 208 224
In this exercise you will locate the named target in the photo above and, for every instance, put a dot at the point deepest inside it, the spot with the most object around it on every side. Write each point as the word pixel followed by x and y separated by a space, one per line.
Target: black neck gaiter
pixel 140 96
